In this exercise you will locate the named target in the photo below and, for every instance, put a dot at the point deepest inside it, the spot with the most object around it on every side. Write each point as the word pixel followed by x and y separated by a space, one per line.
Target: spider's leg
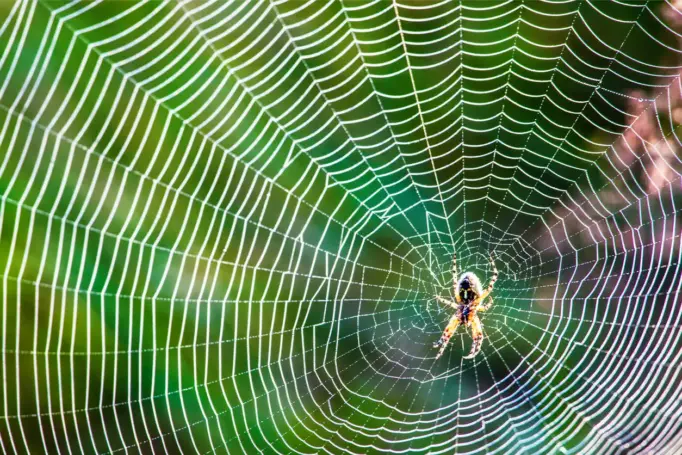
pixel 447 334
pixel 485 306
pixel 445 301
pixel 477 335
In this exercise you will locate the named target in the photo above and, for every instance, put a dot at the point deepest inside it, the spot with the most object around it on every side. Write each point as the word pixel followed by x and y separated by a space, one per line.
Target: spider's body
pixel 469 298
pixel 468 288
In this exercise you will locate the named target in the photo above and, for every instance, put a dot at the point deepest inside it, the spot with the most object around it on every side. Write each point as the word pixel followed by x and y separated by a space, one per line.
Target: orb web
pixel 223 225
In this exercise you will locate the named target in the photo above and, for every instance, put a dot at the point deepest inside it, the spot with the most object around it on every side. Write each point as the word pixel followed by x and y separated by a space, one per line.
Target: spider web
pixel 223 224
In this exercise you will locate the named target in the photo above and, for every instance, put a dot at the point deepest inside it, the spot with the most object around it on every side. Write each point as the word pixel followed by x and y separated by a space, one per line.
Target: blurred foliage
pixel 188 265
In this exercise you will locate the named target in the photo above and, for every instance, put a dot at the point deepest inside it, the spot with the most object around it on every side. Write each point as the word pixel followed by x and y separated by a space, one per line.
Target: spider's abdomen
pixel 468 288
pixel 468 297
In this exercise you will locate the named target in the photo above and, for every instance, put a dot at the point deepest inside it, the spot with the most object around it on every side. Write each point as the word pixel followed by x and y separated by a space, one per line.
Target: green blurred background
pixel 223 223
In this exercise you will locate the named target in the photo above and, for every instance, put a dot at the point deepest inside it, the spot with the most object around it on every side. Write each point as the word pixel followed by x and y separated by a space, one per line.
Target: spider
pixel 469 298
